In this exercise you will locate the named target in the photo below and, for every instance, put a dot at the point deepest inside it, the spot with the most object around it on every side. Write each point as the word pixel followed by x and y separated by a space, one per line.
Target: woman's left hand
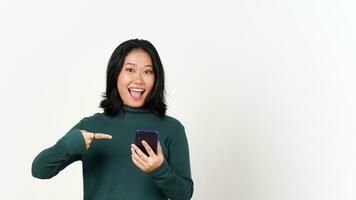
pixel 144 162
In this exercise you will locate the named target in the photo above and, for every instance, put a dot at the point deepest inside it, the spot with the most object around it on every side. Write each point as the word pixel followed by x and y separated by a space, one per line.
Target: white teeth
pixel 136 89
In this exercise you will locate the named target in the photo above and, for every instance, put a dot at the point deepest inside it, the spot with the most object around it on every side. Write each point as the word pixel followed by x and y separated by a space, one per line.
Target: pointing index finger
pixel 102 136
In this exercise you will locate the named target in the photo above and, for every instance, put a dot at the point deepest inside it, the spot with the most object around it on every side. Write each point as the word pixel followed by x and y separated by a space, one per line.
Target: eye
pixel 129 69
pixel 149 71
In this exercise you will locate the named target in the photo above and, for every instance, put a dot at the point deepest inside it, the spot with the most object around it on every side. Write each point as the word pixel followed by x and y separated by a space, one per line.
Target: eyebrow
pixel 135 64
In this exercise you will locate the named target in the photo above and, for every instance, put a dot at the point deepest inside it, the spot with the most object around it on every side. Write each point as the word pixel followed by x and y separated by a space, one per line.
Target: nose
pixel 138 79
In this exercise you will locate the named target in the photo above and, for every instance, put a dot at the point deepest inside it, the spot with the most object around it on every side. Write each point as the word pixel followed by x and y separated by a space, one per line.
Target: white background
pixel 265 89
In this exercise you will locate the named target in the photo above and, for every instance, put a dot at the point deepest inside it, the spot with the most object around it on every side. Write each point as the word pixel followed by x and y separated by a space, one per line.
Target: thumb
pixel 159 149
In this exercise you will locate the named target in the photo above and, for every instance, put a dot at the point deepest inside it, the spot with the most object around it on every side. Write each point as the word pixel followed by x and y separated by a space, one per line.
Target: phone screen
pixel 151 137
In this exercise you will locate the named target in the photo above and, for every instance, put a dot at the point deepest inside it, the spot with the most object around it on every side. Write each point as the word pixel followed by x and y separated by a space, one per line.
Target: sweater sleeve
pixel 173 177
pixel 68 149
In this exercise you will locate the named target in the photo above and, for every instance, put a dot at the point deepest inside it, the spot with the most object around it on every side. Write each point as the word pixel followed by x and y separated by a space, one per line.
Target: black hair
pixel 155 101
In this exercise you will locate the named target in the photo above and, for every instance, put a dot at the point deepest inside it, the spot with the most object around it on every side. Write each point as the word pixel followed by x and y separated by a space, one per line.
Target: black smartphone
pixel 151 137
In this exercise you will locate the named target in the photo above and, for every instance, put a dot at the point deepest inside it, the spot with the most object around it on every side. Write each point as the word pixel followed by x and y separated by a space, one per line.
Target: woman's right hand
pixel 89 137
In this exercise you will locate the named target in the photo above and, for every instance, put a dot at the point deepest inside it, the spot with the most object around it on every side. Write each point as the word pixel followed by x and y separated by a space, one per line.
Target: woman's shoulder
pixel 94 118
pixel 172 121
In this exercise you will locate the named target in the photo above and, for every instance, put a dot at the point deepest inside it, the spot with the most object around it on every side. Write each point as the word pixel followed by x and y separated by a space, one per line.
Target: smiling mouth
pixel 136 93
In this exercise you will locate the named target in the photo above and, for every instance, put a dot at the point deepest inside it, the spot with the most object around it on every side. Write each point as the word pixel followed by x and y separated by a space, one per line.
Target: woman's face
pixel 136 79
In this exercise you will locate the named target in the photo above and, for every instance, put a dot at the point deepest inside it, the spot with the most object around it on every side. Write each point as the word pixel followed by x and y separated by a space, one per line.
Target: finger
pixel 100 136
pixel 142 155
pixel 137 163
pixel 148 148
pixel 83 132
pixel 159 149
pixel 138 160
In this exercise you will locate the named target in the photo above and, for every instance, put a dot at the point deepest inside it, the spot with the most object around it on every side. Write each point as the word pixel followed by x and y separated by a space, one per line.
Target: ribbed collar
pixel 135 110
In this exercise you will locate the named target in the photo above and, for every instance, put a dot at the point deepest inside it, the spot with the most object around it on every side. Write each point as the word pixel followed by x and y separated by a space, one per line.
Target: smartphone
pixel 151 137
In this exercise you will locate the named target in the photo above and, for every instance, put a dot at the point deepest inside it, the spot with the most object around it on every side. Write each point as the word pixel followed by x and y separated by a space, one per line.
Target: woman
pixel 114 167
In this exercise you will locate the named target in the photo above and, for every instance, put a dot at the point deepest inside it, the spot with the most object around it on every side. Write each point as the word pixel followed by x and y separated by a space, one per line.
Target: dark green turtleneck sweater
pixel 108 171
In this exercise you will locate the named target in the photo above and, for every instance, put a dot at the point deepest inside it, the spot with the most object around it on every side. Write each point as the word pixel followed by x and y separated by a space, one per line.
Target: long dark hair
pixel 155 101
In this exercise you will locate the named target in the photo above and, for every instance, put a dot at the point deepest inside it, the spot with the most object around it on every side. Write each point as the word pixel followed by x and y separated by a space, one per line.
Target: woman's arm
pixel 173 177
pixel 68 149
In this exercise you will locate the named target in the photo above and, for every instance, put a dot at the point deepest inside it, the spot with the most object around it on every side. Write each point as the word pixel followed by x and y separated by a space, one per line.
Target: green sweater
pixel 108 171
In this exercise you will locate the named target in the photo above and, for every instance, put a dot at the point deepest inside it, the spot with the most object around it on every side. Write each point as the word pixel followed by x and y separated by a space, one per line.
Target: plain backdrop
pixel 265 90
